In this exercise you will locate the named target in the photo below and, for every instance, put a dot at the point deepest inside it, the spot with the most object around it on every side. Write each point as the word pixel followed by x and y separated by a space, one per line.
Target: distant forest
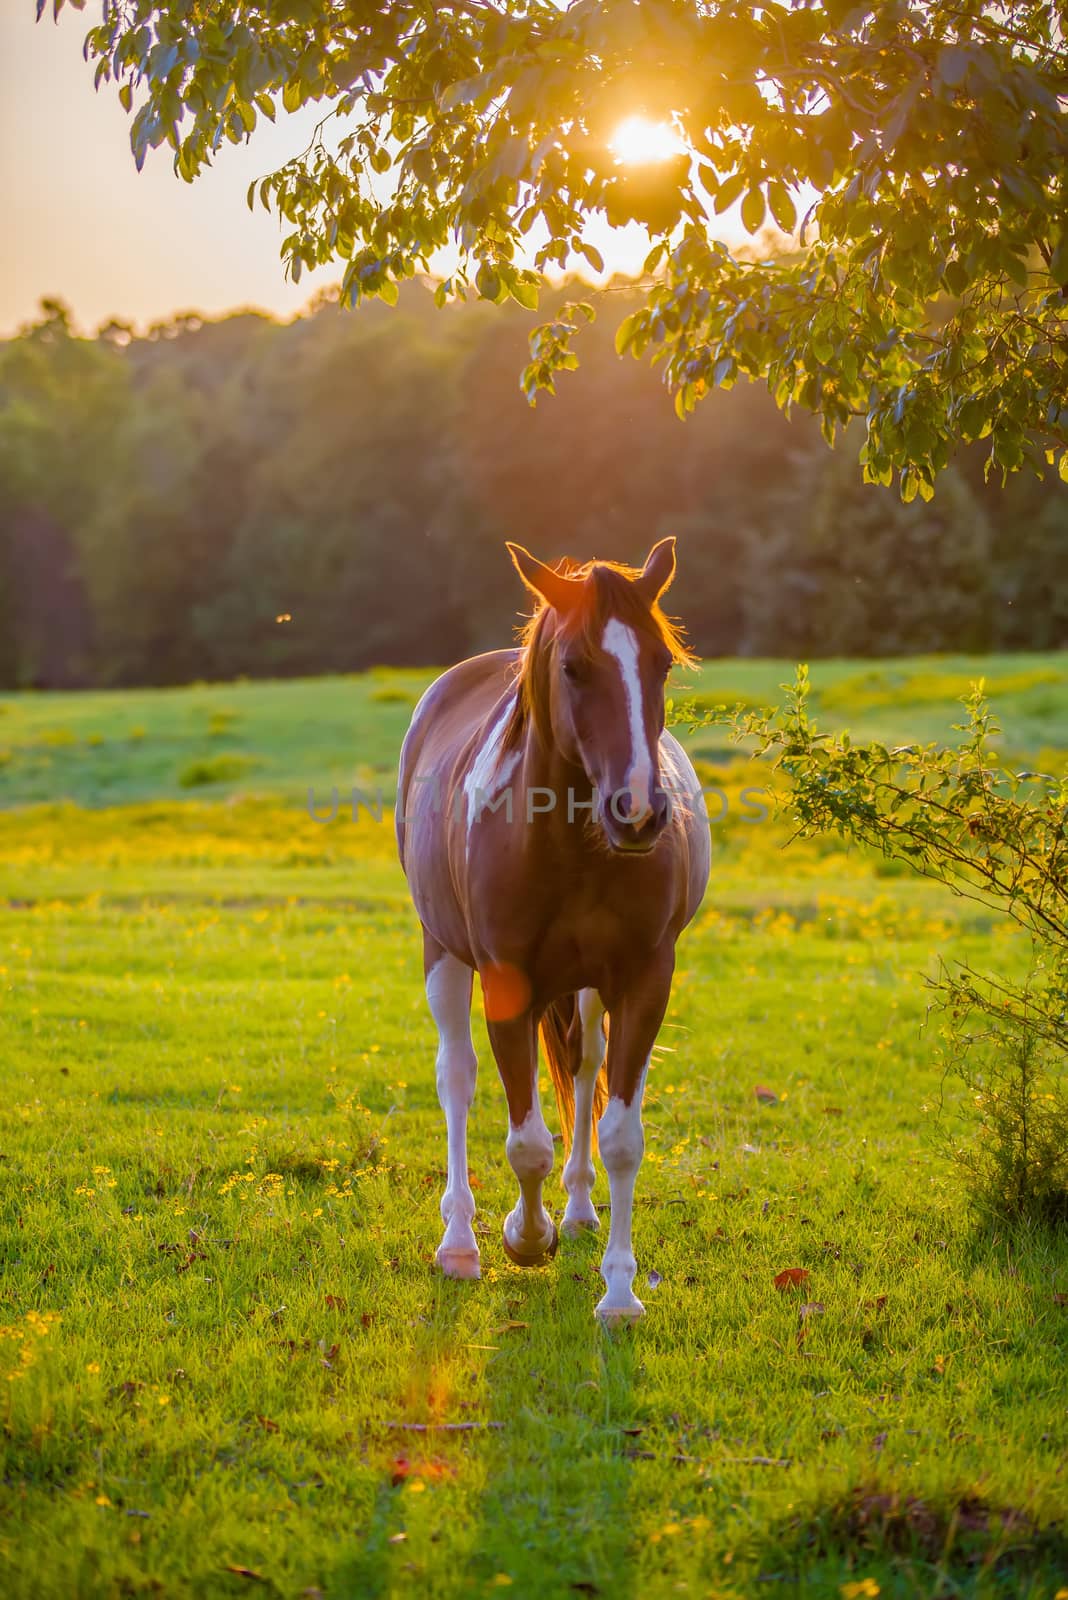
pixel 165 500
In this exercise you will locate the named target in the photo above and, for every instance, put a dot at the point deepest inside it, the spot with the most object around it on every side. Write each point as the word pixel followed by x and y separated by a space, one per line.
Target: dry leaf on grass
pixel 791 1278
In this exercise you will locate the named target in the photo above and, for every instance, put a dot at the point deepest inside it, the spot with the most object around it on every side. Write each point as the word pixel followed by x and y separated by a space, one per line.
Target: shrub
pixel 1016 1162
pixel 391 694
pixel 955 815
pixel 215 769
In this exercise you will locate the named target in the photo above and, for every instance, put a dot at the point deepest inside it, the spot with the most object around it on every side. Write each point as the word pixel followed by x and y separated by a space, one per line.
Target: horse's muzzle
pixel 638 837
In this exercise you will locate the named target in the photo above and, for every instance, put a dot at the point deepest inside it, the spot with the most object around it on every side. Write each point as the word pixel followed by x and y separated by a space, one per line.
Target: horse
pixel 547 828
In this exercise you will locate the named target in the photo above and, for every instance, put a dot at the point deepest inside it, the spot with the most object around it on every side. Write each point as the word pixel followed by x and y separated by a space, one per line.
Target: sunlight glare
pixel 638 141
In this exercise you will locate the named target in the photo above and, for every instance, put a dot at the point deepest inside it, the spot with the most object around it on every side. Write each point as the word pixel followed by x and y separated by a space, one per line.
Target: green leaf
pixel 487 282
pixel 626 331
pixel 782 206
pixel 753 209
pixel 525 293
pixel 729 191
pixel 591 253
pixel 953 63
pixel 955 276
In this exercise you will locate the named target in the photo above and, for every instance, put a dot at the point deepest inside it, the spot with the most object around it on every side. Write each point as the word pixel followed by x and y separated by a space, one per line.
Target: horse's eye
pixel 574 670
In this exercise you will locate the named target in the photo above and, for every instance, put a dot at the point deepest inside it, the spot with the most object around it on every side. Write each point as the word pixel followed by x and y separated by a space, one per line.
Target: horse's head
pixel 595 664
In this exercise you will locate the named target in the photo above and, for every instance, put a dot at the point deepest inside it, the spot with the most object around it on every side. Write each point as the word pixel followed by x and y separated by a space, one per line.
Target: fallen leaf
pixel 791 1278
pixel 337 1302
pixel 1060 1298
pixel 654 1280
pixel 246 1572
pixel 397 1538
pixel 266 1424
pixel 507 1327
pixel 833 1111
pixel 401 1468
pixel 767 1097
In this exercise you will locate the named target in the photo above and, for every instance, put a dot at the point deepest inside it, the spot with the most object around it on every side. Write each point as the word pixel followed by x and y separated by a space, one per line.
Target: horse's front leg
pixel 448 992
pixel 636 1013
pixel 530 1236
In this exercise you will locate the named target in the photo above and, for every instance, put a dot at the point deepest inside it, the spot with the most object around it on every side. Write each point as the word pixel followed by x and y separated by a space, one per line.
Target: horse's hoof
pixel 620 1316
pixel 575 1227
pixel 458 1263
pixel 540 1259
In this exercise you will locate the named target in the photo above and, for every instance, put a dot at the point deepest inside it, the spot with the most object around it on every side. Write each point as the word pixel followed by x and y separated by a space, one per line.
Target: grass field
pixel 221 1157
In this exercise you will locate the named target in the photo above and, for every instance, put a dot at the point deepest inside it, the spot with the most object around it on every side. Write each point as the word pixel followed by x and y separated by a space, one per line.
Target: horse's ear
pixel 557 591
pixel 658 571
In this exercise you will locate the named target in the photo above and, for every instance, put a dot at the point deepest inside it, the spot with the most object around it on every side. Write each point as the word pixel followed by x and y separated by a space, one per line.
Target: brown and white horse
pixel 547 827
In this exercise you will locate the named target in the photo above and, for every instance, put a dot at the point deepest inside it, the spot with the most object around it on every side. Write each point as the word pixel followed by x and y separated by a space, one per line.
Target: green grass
pixel 222 1157
pixel 111 748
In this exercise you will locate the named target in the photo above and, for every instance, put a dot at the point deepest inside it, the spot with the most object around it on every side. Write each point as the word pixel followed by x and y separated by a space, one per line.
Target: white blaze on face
pixel 489 776
pixel 621 643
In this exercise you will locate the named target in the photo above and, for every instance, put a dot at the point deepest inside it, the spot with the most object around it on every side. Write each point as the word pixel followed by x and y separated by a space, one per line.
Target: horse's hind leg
pixel 448 992
pixel 530 1236
pixel 578 1171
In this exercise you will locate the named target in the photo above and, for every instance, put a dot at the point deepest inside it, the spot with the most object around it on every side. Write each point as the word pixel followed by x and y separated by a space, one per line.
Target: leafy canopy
pixel 926 290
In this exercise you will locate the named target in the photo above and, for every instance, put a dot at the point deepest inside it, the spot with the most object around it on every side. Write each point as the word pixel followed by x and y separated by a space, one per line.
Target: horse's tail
pixel 561 1033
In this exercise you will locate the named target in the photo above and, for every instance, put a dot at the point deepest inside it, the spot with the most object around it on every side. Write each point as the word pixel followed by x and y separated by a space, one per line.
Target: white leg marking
pixel 528 1228
pixel 620 642
pixel 578 1173
pixel 448 992
pixel 622 1148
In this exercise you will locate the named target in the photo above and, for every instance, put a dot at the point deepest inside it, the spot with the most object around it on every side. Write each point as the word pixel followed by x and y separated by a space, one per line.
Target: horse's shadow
pixel 555 1502
pixel 547 1395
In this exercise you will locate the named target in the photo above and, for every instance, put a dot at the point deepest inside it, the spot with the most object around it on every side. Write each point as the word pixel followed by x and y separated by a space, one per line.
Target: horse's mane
pixel 609 592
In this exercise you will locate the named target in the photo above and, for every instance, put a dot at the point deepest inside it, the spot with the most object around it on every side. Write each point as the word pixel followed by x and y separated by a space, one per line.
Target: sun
pixel 639 141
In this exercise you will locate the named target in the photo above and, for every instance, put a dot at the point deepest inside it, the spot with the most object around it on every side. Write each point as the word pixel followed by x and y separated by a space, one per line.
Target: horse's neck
pixel 544 766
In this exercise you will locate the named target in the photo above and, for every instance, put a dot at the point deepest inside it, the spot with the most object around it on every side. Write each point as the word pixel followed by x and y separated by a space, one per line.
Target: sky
pixel 108 240
pixel 112 242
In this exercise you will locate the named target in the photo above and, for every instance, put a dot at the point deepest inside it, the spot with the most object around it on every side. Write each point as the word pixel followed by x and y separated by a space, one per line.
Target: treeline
pixel 165 500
